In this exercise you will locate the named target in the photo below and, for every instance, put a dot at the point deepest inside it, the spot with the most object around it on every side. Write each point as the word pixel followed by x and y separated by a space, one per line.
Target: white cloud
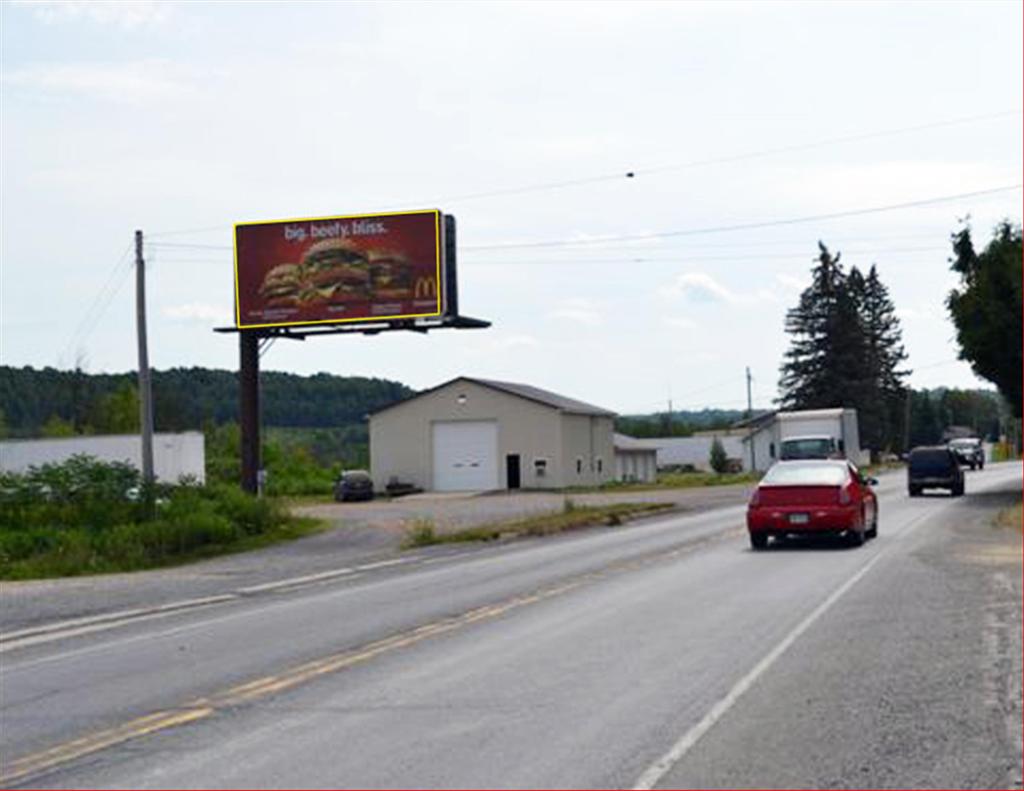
pixel 579 310
pixel 199 311
pixel 679 322
pixel 134 81
pixel 124 14
pixel 702 287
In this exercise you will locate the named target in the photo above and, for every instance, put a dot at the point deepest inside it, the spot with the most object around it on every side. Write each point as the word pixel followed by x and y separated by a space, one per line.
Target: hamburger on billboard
pixel 328 270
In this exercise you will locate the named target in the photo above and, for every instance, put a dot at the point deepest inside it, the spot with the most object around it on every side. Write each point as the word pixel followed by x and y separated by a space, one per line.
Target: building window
pixel 540 467
pixel 771 449
pixel 462 398
pixel 600 466
pixel 579 465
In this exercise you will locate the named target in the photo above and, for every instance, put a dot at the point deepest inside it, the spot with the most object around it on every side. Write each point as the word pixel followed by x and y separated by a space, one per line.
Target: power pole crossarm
pixel 145 386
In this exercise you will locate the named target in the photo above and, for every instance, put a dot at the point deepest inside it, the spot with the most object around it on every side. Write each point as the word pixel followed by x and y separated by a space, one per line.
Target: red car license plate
pixel 799 519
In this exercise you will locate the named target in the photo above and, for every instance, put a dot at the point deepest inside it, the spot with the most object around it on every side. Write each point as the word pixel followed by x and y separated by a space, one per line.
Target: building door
pixel 512 470
pixel 465 455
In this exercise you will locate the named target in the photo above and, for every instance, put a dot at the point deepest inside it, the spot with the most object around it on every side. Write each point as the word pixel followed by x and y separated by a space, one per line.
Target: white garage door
pixel 465 456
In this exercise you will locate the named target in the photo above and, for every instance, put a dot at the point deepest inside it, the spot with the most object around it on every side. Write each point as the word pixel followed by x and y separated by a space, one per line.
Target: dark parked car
pixel 934 468
pixel 969 451
pixel 812 498
pixel 353 485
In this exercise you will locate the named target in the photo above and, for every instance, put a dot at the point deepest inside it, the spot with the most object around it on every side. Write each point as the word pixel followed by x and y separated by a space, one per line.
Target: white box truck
pixel 819 434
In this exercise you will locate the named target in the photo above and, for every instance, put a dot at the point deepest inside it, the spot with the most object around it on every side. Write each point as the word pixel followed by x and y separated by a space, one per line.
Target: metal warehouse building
pixel 478 434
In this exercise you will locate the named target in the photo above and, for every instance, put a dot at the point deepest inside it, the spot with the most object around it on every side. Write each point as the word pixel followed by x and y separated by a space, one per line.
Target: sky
pixel 521 120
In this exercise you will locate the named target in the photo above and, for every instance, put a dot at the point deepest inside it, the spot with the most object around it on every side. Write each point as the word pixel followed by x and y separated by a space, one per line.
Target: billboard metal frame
pixel 250 340
pixel 444 227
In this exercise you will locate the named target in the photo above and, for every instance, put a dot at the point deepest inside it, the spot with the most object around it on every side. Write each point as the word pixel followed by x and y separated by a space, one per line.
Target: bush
pixel 718 459
pixel 84 516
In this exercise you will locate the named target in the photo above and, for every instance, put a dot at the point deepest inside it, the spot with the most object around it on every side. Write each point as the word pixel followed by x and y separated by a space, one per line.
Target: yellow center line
pixel 201 708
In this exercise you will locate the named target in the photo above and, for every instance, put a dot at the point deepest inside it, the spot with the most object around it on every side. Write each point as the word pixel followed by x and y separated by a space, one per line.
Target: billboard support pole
pixel 145 384
pixel 249 408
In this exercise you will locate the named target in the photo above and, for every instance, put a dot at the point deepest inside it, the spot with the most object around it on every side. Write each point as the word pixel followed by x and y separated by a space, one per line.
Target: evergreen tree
pixel 826 365
pixel 846 351
pixel 885 355
pixel 718 459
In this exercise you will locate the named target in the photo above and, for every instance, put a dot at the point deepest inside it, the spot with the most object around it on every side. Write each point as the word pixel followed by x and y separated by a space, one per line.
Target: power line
pixel 683 257
pixel 650 170
pixel 100 302
pixel 744 226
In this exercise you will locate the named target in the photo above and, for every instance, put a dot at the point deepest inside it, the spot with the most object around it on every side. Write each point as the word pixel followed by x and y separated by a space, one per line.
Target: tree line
pixel 46 400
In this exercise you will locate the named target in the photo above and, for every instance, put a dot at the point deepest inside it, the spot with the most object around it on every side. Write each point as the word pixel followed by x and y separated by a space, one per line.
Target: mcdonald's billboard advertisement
pixel 367 268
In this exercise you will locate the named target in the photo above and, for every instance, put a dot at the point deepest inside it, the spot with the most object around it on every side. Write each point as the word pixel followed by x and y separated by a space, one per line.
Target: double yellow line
pixel 202 708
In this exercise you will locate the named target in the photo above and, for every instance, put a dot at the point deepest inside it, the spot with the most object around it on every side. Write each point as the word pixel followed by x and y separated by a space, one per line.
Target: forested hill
pixel 184 399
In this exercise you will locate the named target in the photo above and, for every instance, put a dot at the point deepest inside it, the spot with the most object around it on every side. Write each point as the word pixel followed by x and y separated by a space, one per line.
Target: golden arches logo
pixel 426 287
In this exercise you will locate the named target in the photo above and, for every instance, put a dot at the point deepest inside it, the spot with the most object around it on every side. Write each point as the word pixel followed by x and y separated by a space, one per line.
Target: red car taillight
pixel 844 496
pixel 755 499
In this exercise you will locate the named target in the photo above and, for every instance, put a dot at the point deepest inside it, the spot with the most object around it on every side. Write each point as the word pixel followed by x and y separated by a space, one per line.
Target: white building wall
pixel 401 441
pixel 677 451
pixel 174 455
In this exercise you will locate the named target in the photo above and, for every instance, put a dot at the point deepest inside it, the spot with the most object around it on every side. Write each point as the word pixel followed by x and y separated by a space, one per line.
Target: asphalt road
pixel 663 654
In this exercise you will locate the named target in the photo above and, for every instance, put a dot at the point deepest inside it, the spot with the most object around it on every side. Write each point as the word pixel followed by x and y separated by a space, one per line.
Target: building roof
pixel 624 442
pixel 528 392
pixel 756 421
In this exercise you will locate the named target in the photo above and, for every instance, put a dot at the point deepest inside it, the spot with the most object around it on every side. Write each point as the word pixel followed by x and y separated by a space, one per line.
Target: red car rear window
pixel 790 473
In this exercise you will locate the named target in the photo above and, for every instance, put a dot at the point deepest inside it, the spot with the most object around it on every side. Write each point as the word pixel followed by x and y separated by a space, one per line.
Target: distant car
pixel 934 468
pixel 353 485
pixel 814 497
pixel 969 451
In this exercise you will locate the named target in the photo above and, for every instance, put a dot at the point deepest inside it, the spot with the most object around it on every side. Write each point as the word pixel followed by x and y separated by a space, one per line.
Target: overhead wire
pixel 649 170
pixel 98 307
pixel 744 226
pixel 630 173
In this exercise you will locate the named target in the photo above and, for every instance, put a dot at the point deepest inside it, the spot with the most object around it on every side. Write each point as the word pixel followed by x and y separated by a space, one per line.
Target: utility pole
pixel 145 386
pixel 750 427
pixel 906 420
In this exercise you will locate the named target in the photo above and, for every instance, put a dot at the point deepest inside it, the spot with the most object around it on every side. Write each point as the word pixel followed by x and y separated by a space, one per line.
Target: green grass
pixel 423 532
pixel 86 517
pixel 674 480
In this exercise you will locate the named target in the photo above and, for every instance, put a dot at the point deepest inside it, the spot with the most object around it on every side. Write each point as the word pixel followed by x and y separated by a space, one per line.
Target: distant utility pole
pixel 145 386
pixel 906 420
pixel 750 427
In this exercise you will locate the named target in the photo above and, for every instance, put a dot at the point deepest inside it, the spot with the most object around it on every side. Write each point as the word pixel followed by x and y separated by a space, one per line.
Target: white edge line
pixel 120 615
pixel 664 765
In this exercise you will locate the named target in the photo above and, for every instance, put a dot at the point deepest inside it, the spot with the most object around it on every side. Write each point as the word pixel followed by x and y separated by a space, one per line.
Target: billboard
pixel 330 270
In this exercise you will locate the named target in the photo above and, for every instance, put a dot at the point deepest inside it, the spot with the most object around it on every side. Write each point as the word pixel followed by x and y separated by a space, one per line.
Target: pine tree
pixel 884 354
pixel 826 364
pixel 846 351
pixel 717 458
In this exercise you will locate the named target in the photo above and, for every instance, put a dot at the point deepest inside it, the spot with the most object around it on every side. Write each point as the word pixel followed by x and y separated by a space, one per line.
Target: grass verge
pixel 423 532
pixel 675 480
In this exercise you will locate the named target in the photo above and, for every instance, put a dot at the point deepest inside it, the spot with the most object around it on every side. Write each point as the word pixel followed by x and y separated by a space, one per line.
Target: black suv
pixel 969 451
pixel 934 468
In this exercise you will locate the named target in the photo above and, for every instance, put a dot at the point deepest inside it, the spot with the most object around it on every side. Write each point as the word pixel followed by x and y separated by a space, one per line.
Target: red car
pixel 813 498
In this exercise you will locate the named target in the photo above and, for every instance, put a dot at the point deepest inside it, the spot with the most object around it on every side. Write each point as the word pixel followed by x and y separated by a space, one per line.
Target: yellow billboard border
pixel 365 319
